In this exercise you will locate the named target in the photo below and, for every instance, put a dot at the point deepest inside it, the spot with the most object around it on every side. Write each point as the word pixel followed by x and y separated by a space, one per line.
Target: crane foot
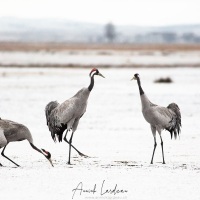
pixel 83 155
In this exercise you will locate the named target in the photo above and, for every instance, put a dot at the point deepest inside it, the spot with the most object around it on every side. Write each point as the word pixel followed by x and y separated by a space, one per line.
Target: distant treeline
pixel 51 30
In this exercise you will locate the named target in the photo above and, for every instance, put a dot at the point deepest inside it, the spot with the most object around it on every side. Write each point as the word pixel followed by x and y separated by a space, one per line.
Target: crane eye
pixel 136 75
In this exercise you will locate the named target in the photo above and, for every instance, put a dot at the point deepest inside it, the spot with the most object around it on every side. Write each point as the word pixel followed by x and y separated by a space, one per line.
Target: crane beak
pixel 50 161
pixel 133 78
pixel 47 155
pixel 101 75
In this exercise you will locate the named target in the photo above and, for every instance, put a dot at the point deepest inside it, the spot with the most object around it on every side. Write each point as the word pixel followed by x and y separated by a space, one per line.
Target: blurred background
pixel 47 50
pixel 113 33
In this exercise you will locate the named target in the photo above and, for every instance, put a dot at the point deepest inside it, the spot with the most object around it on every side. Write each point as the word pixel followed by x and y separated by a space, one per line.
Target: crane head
pixel 47 155
pixel 135 77
pixel 95 71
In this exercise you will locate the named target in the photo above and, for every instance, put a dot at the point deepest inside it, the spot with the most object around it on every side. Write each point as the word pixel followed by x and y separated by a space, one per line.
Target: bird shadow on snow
pixel 91 163
pixel 94 163
pixel 10 167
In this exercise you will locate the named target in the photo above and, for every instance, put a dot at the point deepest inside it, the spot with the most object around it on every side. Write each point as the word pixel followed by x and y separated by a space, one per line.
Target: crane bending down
pixel 66 116
pixel 11 131
pixel 159 117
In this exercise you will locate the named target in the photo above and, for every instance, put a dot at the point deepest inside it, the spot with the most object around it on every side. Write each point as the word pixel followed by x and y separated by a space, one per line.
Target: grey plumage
pixel 66 116
pixel 49 107
pixel 12 131
pixel 175 124
pixel 160 118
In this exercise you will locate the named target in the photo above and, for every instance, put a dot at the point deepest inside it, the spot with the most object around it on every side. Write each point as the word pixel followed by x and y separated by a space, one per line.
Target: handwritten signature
pixel 94 190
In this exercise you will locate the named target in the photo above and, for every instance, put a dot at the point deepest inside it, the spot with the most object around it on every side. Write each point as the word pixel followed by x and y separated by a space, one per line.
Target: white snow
pixel 113 133
pixel 114 58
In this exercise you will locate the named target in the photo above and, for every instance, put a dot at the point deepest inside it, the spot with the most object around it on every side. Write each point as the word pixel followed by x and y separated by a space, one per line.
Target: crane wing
pixel 61 117
pixel 159 116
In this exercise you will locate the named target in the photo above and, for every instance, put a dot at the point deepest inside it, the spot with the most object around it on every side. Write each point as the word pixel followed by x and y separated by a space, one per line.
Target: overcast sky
pixel 122 12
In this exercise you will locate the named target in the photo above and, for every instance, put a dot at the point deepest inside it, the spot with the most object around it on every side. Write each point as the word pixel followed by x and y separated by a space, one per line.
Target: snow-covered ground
pixel 113 133
pixel 113 58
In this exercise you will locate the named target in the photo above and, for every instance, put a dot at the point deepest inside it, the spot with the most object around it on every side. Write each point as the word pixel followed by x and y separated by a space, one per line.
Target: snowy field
pixel 101 57
pixel 113 133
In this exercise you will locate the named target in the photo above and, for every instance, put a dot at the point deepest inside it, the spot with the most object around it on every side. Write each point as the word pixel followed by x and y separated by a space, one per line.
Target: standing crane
pixel 159 117
pixel 11 132
pixel 66 116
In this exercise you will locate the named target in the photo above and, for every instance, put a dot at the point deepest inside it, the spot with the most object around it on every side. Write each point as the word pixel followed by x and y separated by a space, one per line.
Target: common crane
pixel 66 116
pixel 11 132
pixel 159 117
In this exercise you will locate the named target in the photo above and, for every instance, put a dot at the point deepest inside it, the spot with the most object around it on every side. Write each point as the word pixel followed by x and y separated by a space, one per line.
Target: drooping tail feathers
pixel 49 107
pixel 55 127
pixel 175 123
pixel 50 119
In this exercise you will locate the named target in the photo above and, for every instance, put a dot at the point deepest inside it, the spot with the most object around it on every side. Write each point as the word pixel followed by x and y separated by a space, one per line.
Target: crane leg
pixel 162 149
pixel 155 144
pixel 70 145
pixel 81 154
pixel 0 163
pixel 2 153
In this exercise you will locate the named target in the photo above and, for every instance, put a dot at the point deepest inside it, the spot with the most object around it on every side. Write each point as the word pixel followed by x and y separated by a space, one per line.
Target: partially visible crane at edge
pixel 14 132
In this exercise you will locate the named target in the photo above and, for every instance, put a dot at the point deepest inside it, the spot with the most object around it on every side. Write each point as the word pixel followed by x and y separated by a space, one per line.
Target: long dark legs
pixel 2 153
pixel 153 129
pixel 0 163
pixel 162 149
pixel 155 144
pixel 65 139
pixel 70 145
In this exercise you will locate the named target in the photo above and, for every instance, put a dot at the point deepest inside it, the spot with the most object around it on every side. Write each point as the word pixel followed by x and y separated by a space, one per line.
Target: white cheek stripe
pixel 93 73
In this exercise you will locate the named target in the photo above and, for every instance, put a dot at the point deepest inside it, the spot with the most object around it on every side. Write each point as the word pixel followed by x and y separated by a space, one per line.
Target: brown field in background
pixel 101 49
pixel 18 46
